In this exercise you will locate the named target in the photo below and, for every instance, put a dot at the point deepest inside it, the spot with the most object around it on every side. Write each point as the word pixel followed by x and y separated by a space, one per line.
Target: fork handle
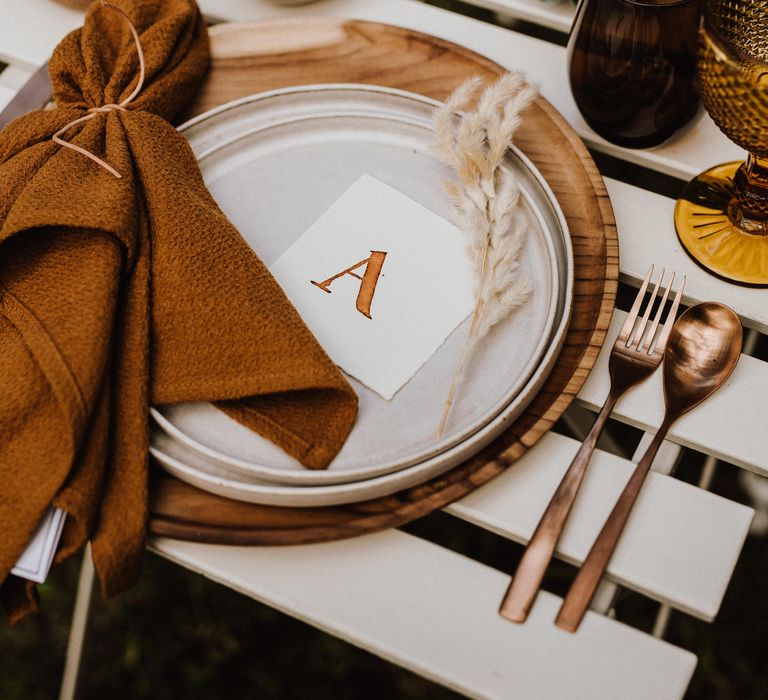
pixel 585 584
pixel 527 579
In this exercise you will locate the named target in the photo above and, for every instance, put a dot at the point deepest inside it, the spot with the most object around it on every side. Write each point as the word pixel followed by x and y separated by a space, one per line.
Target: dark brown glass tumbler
pixel 632 67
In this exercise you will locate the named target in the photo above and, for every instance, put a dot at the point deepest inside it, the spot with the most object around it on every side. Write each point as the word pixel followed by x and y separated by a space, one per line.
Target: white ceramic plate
pixel 275 162
pixel 194 468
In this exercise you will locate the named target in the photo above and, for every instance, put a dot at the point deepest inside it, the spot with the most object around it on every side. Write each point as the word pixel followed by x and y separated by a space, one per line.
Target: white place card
pixel 381 282
pixel 36 560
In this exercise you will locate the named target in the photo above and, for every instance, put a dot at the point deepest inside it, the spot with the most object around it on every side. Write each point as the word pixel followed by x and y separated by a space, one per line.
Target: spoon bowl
pixel 702 351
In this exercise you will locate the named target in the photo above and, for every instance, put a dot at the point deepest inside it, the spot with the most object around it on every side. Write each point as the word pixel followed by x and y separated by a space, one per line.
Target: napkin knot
pixel 108 108
pixel 111 107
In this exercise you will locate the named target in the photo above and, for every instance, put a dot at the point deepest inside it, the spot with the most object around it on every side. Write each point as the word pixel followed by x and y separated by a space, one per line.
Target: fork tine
pixel 638 337
pixel 652 333
pixel 626 329
pixel 667 329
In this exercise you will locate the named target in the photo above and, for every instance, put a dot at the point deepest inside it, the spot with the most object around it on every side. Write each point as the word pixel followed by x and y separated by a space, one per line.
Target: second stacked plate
pixel 275 162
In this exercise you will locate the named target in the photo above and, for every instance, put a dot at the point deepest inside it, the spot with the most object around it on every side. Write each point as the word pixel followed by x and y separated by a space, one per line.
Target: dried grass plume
pixel 486 201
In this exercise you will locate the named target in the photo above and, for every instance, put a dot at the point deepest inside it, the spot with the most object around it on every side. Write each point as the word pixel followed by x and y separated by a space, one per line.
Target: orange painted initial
pixel 368 281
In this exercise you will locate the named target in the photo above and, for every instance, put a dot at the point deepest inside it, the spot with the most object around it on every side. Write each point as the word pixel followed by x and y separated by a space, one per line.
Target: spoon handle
pixel 585 584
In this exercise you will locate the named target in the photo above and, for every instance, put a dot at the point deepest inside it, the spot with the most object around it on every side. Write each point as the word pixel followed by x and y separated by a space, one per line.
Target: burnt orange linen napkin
pixel 115 293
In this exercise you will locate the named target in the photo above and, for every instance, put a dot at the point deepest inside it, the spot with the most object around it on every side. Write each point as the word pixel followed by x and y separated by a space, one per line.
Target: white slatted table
pixel 434 611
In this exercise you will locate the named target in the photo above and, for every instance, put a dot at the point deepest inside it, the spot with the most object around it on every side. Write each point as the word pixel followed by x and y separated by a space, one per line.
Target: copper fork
pixel 634 357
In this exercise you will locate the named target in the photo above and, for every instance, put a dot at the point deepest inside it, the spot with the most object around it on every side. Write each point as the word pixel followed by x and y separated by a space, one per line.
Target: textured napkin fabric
pixel 115 293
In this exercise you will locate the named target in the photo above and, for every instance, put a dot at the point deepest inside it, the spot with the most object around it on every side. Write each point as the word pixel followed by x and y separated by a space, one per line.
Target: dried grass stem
pixel 486 202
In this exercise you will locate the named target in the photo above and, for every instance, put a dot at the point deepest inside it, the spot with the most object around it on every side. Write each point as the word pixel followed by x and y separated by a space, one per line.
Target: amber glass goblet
pixel 722 215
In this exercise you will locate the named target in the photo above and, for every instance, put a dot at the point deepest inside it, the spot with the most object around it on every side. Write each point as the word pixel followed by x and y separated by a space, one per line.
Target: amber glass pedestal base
pixel 704 218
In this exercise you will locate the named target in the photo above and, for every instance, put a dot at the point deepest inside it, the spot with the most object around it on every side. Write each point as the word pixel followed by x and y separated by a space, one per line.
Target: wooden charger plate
pixel 251 58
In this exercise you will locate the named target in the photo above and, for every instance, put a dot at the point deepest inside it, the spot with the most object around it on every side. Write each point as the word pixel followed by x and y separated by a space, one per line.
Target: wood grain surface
pixel 257 57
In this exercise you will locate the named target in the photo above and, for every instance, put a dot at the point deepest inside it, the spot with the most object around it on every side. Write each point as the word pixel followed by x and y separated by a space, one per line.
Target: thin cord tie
pixel 93 111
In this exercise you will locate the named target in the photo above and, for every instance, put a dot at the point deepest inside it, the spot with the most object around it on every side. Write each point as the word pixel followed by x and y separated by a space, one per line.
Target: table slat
pixel 553 15
pixel 434 611
pixel 14 76
pixel 6 95
pixel 681 543
pixel 31 29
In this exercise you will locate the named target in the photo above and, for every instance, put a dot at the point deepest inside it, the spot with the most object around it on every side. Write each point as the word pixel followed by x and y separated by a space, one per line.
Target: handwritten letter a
pixel 368 281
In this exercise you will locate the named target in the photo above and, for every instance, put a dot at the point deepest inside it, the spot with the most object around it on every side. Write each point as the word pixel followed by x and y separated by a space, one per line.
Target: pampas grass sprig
pixel 486 202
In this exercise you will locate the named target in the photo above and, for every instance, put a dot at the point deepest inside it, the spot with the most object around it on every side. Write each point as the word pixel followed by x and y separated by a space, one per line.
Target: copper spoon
pixel 701 352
